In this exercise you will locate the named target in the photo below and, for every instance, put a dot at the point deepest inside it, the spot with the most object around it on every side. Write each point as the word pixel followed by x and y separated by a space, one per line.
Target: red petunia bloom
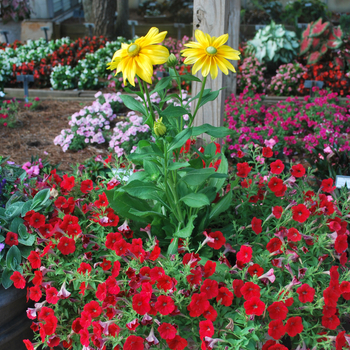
pixel 51 295
pixel 199 303
pixel 93 308
pixel 340 341
pixel 277 310
pixel 278 347
pixel 341 243
pixel 268 344
pixel 277 212
pixel 294 326
pixel 243 169
pixel 35 293
pixel 267 152
pixel 293 235
pixel 167 331
pixel 133 342
pixel 245 254
pixel 300 213
pixel 210 314
pixel 255 269
pixel 306 293
pixel 331 322
pixel 328 311
pixel 254 306
pixel 345 288
pixel 140 303
pixel 274 245
pixel 297 170
pixel 86 186
pixel 102 201
pixel 209 268
pixel 177 343
pixel 112 238
pixel 66 245
pixel 28 344
pixel 68 183
pixel 38 278
pixel 276 329
pixel 224 296
pixel 327 185
pixel 164 305
pixel 219 240
pixel 237 285
pixel 277 167
pixel 250 290
pixel 210 288
pixel 84 268
pixel 191 258
pixel 256 225
pixel 11 239
pixel 37 220
pixel 34 259
pixel 18 280
pixel 275 184
pixel 206 329
pixel 121 247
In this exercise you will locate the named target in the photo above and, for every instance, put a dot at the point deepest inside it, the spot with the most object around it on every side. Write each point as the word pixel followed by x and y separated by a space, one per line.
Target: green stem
pixel 199 100
pixel 149 102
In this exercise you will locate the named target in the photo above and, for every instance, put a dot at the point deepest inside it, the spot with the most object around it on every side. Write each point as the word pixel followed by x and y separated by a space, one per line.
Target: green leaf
pixel 133 104
pixel 209 97
pixel 151 169
pixel 14 210
pixel 145 213
pixel 221 206
pixel 190 77
pixel 25 251
pixel 13 258
pixel 27 242
pixel 5 279
pixel 139 175
pixel 217 132
pixel 22 231
pixel 195 200
pixel 197 177
pixel 15 224
pixel 178 165
pixel 187 231
pixel 40 198
pixel 26 207
pixel 174 111
pixel 223 169
pixel 140 189
pixel 180 139
pixel 172 249
pixel 162 84
pixel 143 143
pixel 122 202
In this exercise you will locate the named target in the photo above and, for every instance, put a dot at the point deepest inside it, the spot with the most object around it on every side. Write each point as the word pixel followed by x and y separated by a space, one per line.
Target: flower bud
pixel 159 128
pixel 172 61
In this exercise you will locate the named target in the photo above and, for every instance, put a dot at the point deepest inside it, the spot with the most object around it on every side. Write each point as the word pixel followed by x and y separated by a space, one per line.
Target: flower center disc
pixel 211 50
pixel 133 50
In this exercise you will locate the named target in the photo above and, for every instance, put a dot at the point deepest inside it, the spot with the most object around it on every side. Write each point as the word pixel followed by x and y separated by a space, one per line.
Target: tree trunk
pixel 88 11
pixel 104 17
pixel 122 28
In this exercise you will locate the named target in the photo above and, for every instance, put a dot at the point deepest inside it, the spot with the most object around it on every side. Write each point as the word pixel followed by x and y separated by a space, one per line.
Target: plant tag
pixel 341 181
pixel 259 26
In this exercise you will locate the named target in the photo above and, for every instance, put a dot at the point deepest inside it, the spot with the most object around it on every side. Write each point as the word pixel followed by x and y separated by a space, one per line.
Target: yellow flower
pixel 139 57
pixel 209 53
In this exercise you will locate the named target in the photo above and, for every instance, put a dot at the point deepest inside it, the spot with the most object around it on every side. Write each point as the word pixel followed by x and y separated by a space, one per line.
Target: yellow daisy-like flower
pixel 139 57
pixel 209 53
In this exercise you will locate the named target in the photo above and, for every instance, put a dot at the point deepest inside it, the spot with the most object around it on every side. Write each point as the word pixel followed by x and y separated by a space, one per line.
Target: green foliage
pixel 273 44
pixel 345 23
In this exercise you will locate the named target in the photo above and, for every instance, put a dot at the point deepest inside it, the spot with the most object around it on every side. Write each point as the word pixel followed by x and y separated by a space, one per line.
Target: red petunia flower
pixel 206 329
pixel 66 245
pixel 243 169
pixel 329 311
pixel 191 258
pixel 275 184
pixel 164 305
pixel 250 290
pixel 35 293
pixel 277 310
pixel 210 314
pixel 274 245
pixel 18 280
pixel 293 235
pixel 93 308
pixel 140 303
pixel 51 295
pixel 331 322
pixel 112 238
pixel 269 343
pixel 277 212
pixel 278 347
pixel 256 225
pixel 84 268
pixel 133 342
pixel 254 306
pixel 256 270
pixel 340 341
pixel 219 240
pixel 294 326
pixel 341 243
pixel 102 201
pixel 34 259
pixel 276 329
pixel 68 183
pixel 209 268
pixel 237 285
pixel 177 343
pixel 28 344
pixel 86 186
pixel 37 220
pixel 210 288
pixel 306 293
pixel 11 239
pixel 224 296
pixel 199 303
pixel 297 170
pixel 267 152
pixel 300 213
pixel 245 254
pixel 167 331
pixel 277 167
pixel 327 185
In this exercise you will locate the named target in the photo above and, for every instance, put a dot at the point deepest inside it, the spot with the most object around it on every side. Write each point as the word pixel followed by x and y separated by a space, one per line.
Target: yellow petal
pixel 198 65
pixel 193 52
pixel 201 38
pixel 157 53
pixel 228 52
pixel 144 68
pixel 221 65
pixel 213 68
pixel 221 40
pixel 206 66
pixel 193 45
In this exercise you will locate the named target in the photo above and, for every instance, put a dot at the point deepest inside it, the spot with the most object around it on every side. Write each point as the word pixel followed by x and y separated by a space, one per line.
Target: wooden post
pixel 216 18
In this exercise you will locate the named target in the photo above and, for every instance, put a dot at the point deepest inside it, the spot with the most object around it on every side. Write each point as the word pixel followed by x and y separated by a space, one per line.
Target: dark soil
pixel 36 131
